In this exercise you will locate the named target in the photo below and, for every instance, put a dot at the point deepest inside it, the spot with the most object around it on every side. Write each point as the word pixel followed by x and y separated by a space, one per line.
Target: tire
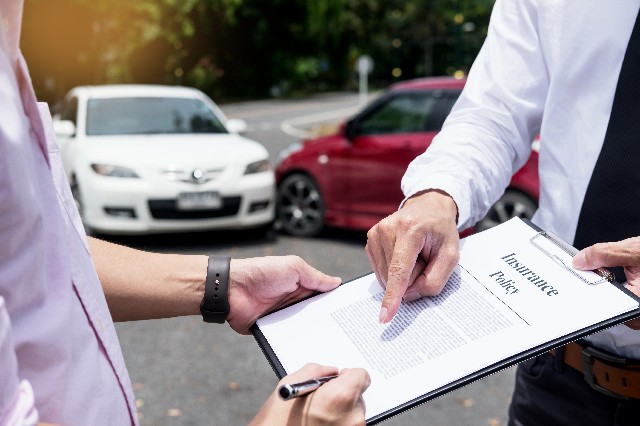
pixel 300 207
pixel 266 231
pixel 511 204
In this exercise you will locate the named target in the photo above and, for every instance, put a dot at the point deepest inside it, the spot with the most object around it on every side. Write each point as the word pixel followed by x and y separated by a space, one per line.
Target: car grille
pixel 195 176
pixel 166 209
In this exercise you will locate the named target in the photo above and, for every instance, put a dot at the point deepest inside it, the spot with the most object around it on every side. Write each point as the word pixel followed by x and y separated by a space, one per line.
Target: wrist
pixel 214 306
pixel 436 198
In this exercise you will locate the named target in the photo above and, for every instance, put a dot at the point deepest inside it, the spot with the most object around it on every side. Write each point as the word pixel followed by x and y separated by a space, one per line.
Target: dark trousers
pixel 549 393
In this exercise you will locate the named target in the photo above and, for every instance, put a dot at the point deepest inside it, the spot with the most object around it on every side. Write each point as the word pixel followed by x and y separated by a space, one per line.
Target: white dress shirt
pixel 547 67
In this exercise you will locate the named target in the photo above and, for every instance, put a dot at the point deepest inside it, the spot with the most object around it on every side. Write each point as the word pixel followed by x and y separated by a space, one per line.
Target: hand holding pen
pixel 336 399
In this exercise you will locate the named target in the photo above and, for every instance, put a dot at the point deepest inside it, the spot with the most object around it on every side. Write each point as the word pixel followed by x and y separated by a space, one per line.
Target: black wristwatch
pixel 215 303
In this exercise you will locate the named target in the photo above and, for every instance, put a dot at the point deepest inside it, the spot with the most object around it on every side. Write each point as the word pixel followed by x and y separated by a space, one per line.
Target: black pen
pixel 293 390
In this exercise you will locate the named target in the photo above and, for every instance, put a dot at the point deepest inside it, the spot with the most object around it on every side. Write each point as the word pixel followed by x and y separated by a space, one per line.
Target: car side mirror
pixel 350 129
pixel 64 128
pixel 235 125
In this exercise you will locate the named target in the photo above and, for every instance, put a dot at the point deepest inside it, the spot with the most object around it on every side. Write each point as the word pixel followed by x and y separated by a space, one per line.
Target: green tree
pixel 247 48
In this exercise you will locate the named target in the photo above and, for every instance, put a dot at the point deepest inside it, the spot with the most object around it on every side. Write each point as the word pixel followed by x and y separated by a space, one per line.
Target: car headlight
pixel 258 167
pixel 294 147
pixel 113 171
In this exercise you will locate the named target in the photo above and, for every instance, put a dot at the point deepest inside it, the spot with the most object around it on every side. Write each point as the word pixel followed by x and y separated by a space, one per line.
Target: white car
pixel 151 159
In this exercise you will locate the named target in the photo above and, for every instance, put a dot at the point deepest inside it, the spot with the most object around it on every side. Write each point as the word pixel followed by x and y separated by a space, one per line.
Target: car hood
pixel 163 150
pixel 323 140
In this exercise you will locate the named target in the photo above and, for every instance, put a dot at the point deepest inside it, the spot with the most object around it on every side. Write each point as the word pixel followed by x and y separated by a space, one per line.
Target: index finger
pixel 357 379
pixel 403 261
pixel 308 372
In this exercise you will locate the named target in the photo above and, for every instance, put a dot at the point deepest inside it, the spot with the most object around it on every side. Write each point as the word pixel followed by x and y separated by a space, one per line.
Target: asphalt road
pixel 185 372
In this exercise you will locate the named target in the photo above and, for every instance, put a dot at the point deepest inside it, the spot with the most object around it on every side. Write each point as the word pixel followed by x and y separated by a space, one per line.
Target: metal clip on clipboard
pixel 562 253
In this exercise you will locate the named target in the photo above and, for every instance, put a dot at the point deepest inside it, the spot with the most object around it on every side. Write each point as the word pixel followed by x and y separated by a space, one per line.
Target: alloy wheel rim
pixel 300 206
pixel 507 207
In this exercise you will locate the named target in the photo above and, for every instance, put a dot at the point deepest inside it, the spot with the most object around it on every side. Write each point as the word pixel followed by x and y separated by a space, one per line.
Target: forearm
pixel 142 285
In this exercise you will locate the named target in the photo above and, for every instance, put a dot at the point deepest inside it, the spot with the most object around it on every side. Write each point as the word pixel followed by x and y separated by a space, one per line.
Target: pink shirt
pixel 58 334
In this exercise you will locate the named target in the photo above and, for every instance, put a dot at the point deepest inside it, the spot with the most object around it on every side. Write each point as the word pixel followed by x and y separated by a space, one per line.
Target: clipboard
pixel 552 246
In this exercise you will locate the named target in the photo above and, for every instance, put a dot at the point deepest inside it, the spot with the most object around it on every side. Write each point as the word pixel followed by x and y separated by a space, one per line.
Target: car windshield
pixel 150 115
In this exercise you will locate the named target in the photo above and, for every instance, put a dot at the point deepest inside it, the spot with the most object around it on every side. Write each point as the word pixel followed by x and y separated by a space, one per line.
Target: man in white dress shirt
pixel 552 68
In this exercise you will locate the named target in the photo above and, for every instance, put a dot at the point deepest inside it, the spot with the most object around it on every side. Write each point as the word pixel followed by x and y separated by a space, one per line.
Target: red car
pixel 351 179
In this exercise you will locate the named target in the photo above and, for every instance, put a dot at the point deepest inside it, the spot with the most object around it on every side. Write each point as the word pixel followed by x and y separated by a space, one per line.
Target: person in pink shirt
pixel 60 360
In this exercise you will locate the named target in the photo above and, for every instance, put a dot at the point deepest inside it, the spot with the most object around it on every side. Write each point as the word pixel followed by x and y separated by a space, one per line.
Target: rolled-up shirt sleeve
pixel 488 135
pixel 16 397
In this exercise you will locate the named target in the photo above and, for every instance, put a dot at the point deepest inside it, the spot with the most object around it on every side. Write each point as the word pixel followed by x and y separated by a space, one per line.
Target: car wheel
pixel 300 206
pixel 266 231
pixel 511 204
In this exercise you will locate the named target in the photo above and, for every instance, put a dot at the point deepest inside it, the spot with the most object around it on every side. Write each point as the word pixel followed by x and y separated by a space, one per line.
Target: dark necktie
pixel 611 207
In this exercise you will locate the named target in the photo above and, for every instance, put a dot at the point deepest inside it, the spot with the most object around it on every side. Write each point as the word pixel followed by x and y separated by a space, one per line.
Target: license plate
pixel 199 200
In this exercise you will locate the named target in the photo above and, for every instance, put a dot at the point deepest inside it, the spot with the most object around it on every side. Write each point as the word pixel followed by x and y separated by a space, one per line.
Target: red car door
pixel 385 139
pixel 377 164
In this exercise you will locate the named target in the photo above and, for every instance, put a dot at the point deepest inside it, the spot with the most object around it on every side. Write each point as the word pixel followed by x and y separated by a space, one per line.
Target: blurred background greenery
pixel 240 49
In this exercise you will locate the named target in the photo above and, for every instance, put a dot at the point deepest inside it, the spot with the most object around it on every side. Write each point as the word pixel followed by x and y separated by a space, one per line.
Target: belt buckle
pixel 588 354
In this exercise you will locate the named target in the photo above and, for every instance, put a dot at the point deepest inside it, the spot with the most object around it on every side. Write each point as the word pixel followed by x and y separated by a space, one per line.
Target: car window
pixel 150 115
pixel 409 112
pixel 441 110
pixel 70 110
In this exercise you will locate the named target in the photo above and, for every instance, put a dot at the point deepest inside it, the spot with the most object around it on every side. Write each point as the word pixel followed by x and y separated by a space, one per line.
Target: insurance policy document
pixel 513 294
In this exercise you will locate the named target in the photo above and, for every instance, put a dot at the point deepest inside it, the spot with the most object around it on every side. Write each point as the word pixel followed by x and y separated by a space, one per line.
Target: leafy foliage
pixel 242 48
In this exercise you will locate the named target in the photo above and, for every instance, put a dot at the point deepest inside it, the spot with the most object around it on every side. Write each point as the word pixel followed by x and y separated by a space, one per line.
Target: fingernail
pixel 411 296
pixel 579 261
pixel 383 315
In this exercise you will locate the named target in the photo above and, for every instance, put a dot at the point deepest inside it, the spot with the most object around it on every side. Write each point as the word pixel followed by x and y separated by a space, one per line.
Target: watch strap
pixel 215 303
